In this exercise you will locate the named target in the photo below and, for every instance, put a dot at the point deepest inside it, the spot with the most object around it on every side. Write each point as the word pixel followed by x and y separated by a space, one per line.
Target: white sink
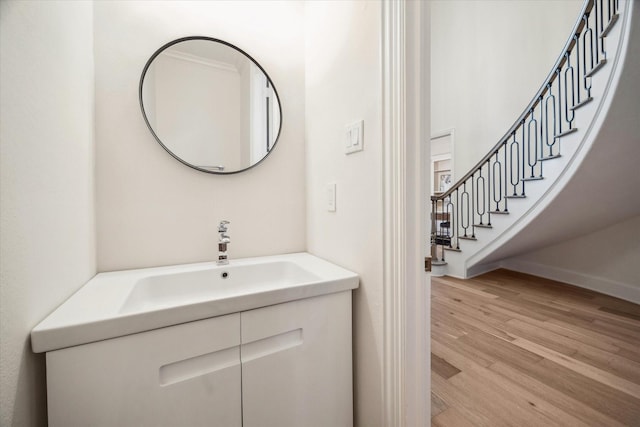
pixel 126 302
pixel 213 283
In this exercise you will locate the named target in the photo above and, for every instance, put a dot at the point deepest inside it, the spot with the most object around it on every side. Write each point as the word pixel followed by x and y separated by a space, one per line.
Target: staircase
pixel 552 176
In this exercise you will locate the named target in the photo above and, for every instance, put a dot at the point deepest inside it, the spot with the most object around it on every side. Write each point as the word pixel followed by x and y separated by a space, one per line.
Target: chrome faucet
pixel 223 241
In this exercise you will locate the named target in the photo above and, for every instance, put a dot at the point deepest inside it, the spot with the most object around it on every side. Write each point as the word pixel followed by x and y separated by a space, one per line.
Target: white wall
pixel 47 247
pixel 607 260
pixel 344 84
pixel 488 59
pixel 153 210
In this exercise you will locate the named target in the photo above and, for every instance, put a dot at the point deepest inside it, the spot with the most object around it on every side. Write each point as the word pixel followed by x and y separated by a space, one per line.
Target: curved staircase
pixel 567 166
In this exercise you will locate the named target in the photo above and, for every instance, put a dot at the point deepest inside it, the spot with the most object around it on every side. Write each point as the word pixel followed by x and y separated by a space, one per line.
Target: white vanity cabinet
pixel 183 375
pixel 282 365
pixel 296 363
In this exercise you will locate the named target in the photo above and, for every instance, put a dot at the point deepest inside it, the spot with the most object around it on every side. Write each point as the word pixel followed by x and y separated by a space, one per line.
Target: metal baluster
pixel 464 206
pixel 473 199
pixel 587 33
pixel 533 121
pixel 597 19
pixel 497 179
pixel 541 148
pixel 506 189
pixel 443 231
pixel 599 40
pixel 443 234
pixel 457 229
pixel 522 126
pixel 480 185
pixel 577 50
pixel 449 218
pixel 488 190
pixel 515 145
pixel 559 80
pixel 568 72
pixel 550 142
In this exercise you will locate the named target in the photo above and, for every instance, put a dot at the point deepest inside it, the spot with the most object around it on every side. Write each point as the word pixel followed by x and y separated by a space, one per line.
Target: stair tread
pixel 499 212
pixel 551 157
pixel 483 225
pixel 612 22
pixel 467 238
pixel 533 178
pixel 595 69
pixel 451 249
pixel 582 103
pixel 517 196
pixel 565 132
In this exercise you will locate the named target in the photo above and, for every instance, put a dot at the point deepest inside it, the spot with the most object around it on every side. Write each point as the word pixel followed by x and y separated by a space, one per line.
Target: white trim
pixel 479 269
pixel 394 184
pixel 439 157
pixel 406 388
pixel 418 178
pixel 602 285
pixel 219 65
pixel 442 133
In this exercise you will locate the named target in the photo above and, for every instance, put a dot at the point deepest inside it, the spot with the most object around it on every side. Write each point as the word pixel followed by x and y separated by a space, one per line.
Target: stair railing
pixel 534 138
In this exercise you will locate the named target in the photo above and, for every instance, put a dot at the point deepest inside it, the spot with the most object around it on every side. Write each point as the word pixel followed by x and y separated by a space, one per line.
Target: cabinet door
pixel 183 375
pixel 296 363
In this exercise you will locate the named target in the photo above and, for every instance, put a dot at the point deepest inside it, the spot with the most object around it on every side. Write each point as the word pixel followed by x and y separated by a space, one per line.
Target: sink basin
pixel 120 303
pixel 215 282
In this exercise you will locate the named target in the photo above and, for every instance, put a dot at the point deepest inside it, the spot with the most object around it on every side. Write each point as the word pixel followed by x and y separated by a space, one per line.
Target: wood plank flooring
pixel 510 349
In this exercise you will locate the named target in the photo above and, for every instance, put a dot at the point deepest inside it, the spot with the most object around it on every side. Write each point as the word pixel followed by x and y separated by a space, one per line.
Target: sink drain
pixel 224 275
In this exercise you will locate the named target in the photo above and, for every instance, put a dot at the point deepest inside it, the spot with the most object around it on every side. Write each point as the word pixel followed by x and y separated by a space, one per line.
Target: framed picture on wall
pixel 443 181
pixel 441 161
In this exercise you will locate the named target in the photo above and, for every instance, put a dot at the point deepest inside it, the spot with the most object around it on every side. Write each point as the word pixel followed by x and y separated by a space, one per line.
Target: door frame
pixel 406 135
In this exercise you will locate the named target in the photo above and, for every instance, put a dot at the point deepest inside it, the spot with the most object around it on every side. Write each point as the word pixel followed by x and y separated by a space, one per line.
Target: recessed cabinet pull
pixel 273 344
pixel 200 365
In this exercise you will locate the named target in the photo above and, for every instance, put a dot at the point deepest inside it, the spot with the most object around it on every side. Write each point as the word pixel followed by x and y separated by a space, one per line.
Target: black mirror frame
pixel 146 120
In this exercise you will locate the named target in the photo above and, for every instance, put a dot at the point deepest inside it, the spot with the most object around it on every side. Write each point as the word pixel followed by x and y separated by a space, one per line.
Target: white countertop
pixel 114 304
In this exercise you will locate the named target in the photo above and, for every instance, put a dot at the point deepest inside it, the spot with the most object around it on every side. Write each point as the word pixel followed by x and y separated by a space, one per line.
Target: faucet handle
pixel 222 227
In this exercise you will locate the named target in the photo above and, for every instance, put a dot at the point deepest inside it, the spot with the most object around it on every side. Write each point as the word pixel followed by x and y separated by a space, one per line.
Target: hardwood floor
pixel 509 349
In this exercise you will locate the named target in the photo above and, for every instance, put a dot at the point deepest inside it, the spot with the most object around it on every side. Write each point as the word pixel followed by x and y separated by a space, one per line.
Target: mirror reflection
pixel 210 105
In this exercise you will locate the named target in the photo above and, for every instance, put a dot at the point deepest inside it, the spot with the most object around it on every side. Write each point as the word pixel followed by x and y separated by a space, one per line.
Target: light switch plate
pixel 354 137
pixel 331 197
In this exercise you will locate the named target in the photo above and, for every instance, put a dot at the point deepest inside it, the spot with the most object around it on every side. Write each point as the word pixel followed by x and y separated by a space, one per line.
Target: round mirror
pixel 210 105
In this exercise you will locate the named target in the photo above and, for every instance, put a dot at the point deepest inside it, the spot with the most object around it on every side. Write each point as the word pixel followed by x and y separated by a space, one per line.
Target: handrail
pixel 535 137
pixel 577 29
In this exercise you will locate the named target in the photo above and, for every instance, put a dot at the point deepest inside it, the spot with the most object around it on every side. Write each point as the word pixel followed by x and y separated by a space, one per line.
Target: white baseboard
pixel 603 285
pixel 477 270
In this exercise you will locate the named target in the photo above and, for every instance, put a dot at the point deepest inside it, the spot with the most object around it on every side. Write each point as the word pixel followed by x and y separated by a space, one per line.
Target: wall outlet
pixel 354 137
pixel 331 197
